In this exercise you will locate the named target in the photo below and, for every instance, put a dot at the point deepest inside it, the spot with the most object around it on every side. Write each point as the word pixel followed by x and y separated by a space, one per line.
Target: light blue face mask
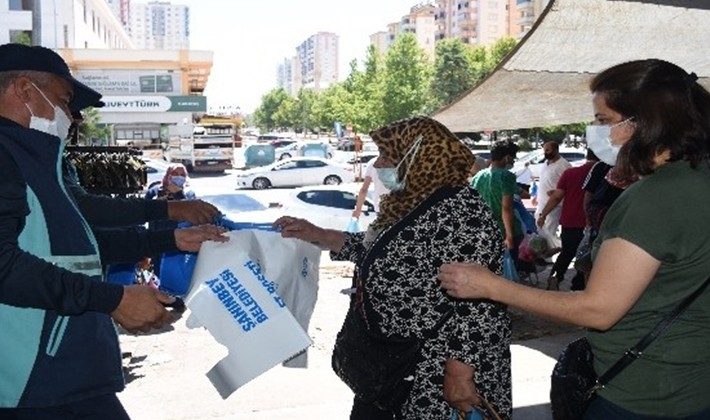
pixel 178 180
pixel 389 177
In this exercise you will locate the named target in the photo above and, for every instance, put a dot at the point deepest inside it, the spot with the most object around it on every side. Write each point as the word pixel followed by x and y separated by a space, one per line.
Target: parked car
pixel 536 160
pixel 305 148
pixel 327 206
pixel 295 172
pixel 282 142
pixel 241 208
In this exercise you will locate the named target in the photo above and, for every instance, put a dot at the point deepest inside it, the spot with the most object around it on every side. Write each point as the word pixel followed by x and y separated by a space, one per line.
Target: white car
pixel 536 160
pixel 295 172
pixel 327 206
pixel 307 148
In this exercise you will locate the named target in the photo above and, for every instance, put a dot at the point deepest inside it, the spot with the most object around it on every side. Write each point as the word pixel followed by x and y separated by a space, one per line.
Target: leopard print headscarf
pixel 442 160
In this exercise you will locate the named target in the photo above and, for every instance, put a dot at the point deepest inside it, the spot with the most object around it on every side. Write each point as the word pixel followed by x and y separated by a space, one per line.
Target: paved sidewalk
pixel 166 372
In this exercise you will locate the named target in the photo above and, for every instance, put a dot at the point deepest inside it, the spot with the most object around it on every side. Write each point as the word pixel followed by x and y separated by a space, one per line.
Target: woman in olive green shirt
pixel 652 251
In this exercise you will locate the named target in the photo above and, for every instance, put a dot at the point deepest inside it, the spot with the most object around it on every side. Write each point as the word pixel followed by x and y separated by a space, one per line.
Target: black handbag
pixel 574 382
pixel 378 369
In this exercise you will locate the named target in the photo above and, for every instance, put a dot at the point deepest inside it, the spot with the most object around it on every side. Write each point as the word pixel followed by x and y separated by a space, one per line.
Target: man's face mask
pixel 389 177
pixel 58 127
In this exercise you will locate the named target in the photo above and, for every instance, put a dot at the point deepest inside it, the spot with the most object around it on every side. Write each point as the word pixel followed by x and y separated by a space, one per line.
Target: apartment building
pixel 475 22
pixel 121 8
pixel 316 62
pixel 526 13
pixel 159 25
pixel 62 24
pixel 284 75
pixel 420 21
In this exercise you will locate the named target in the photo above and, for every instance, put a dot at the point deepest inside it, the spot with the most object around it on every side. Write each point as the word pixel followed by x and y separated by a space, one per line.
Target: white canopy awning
pixel 545 80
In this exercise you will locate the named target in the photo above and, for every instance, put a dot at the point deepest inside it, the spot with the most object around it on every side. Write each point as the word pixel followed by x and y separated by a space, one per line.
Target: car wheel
pixel 332 180
pixel 284 156
pixel 261 184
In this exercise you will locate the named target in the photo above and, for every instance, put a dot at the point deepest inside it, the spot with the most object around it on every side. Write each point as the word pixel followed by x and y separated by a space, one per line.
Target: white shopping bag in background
pixel 244 292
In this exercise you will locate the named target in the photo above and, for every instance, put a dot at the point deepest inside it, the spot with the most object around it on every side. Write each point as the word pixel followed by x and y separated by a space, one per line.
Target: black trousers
pixel 103 407
pixel 571 238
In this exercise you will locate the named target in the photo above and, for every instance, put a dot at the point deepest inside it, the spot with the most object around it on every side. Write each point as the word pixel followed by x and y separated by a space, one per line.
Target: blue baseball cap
pixel 19 57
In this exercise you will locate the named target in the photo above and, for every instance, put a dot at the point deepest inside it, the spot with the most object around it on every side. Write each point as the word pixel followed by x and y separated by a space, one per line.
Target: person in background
pixel 524 178
pixel 497 186
pixel 57 314
pixel 479 164
pixel 173 186
pixel 550 175
pixel 171 189
pixel 430 214
pixel 572 220
pixel 652 251
pixel 380 190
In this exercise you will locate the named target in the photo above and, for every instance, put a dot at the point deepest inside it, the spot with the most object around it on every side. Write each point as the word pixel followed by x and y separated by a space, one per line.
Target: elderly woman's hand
pixel 459 388
pixel 292 227
pixel 467 280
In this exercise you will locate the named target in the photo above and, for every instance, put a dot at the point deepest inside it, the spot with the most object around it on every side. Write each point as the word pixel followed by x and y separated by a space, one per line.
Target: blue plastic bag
pixel 176 272
pixel 509 270
pixel 176 267
pixel 472 415
pixel 353 226
pixel 124 274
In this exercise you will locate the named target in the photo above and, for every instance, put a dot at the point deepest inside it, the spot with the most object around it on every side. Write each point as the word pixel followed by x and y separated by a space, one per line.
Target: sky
pixel 250 38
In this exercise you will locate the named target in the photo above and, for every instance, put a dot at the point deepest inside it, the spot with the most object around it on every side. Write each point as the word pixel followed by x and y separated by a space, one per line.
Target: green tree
pixel 265 115
pixel 500 49
pixel 406 80
pixel 333 104
pixel 91 128
pixel 454 71
pixel 367 92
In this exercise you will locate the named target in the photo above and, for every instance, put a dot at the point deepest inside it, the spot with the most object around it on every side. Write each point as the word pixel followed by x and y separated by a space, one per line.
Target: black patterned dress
pixel 399 277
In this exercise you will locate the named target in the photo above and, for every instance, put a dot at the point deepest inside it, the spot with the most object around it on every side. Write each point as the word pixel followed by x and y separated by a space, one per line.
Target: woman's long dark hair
pixel 669 110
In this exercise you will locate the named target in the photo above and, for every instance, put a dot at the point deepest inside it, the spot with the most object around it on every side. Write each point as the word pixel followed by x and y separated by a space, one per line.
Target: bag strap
pixel 636 351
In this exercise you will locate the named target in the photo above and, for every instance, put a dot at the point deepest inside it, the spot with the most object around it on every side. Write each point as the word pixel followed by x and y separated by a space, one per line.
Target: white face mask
pixel 58 127
pixel 599 141
pixel 389 176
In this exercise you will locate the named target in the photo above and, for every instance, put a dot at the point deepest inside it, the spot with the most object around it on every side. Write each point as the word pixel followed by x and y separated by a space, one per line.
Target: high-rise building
pixel 121 8
pixel 284 75
pixel 475 22
pixel 62 24
pixel 527 12
pixel 420 21
pixel 15 22
pixel 381 41
pixel 316 62
pixel 159 25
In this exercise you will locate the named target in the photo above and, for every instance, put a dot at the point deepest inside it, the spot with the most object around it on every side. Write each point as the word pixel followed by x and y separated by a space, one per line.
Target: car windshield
pixel 234 203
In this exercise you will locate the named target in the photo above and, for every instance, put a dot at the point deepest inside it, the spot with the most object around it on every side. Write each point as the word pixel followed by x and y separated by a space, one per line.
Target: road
pixel 166 370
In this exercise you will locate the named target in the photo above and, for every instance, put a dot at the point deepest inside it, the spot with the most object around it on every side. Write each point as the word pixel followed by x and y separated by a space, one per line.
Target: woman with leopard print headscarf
pixel 431 216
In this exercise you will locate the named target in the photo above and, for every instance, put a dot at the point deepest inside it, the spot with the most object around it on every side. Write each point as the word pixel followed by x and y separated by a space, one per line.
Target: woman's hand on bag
pixel 293 227
pixel 190 239
pixel 467 280
pixel 459 388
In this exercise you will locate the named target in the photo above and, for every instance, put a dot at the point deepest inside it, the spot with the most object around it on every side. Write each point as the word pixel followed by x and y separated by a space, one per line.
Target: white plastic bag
pixel 255 294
